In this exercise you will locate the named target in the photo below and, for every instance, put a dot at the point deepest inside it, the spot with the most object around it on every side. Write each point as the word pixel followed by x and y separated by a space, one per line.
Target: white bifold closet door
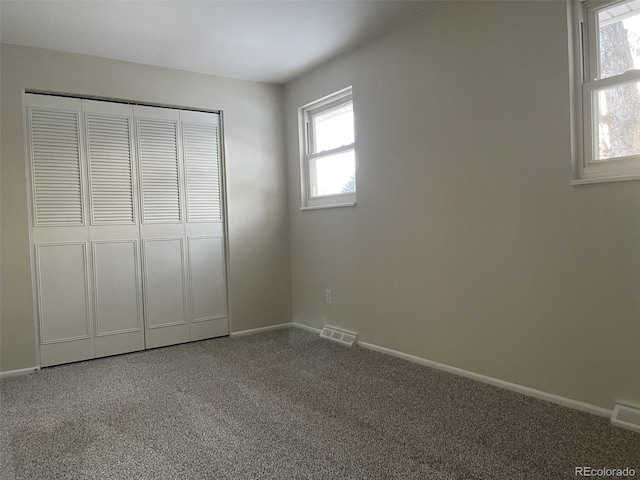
pixel 84 228
pixel 181 230
pixel 126 227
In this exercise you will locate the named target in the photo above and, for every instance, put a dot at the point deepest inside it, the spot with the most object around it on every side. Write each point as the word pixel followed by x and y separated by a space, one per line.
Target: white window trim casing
pixel 583 57
pixel 305 137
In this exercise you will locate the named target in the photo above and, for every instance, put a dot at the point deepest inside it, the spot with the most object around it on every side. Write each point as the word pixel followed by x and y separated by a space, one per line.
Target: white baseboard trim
pixel 17 373
pixel 275 327
pixel 251 331
pixel 305 327
pixel 531 392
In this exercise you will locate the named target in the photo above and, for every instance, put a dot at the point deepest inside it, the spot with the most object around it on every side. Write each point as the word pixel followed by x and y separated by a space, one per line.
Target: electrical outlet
pixel 327 296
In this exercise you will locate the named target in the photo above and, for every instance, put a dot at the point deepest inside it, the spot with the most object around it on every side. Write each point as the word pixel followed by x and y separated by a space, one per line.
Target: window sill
pixel 619 178
pixel 333 205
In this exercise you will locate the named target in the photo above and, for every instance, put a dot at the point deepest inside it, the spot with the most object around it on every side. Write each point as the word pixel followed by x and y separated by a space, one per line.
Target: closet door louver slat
pixel 57 178
pixel 158 153
pixel 109 149
pixel 202 165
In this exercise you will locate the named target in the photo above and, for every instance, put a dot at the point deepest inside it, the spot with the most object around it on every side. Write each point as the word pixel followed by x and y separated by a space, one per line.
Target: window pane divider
pixel 333 151
pixel 626 77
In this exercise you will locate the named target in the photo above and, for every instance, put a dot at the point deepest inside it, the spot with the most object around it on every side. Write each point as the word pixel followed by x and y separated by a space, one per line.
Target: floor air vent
pixel 626 417
pixel 340 336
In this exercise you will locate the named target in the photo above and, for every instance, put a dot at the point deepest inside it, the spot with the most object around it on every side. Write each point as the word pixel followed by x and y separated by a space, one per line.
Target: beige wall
pixel 467 245
pixel 256 174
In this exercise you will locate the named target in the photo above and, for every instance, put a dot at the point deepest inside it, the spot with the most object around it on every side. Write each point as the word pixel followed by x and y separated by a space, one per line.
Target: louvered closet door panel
pixel 159 165
pixel 202 166
pixel 114 233
pixel 204 227
pixel 110 164
pixel 56 169
pixel 162 227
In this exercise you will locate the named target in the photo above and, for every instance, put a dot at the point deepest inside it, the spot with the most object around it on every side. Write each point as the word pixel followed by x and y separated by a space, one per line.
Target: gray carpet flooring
pixel 285 404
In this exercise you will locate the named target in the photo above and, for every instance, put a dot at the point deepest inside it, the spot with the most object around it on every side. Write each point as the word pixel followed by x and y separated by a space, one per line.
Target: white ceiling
pixel 266 41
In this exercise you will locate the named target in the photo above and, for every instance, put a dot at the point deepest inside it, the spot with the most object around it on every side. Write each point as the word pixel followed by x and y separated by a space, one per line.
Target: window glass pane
pixel 333 174
pixel 333 128
pixel 619 27
pixel 617 121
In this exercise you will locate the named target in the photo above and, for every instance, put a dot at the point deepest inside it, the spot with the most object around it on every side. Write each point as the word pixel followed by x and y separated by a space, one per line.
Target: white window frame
pixel 305 127
pixel 584 33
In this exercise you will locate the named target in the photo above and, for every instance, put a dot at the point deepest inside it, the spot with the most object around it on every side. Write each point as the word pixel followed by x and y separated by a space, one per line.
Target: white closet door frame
pixel 32 262
pixel 225 217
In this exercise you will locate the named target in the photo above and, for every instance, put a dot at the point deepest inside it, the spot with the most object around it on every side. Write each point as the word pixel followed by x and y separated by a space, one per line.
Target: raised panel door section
pixel 118 312
pixel 207 287
pixel 63 303
pixel 116 287
pixel 164 295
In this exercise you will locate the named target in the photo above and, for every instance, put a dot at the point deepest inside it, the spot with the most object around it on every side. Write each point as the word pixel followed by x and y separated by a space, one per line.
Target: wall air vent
pixel 340 336
pixel 626 417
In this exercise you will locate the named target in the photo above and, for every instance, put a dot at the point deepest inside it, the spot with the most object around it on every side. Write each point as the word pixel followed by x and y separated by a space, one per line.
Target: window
pixel 608 108
pixel 328 156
